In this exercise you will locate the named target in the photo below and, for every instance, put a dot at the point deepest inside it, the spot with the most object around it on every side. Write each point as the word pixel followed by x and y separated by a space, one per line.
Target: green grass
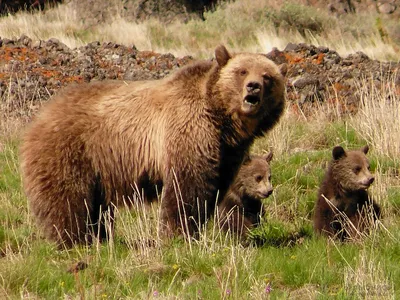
pixel 285 256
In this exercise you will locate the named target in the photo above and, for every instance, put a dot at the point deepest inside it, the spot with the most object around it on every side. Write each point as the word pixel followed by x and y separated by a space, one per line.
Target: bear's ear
pixel 222 55
pixel 268 156
pixel 365 149
pixel 338 152
pixel 283 68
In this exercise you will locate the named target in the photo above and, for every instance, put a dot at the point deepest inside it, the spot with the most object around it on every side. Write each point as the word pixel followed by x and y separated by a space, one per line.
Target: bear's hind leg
pixel 63 211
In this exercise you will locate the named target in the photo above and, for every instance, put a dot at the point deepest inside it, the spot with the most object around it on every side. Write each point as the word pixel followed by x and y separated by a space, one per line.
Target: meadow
pixel 286 260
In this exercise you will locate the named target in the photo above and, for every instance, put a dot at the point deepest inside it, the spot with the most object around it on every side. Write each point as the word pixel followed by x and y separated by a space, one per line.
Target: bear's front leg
pixel 186 202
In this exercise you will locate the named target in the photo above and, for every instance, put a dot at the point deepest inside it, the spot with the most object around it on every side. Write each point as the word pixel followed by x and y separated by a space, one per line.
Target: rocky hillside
pixel 30 72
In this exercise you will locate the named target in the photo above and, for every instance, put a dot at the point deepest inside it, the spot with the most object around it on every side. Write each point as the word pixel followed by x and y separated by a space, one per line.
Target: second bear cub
pixel 242 208
pixel 349 211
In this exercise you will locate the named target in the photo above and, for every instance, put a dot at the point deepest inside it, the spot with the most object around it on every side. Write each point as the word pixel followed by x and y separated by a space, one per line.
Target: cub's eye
pixel 357 169
pixel 243 72
pixel 259 178
pixel 369 168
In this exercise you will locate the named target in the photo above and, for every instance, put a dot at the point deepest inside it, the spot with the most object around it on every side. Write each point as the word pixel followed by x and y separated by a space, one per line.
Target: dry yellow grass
pixel 248 31
pixel 378 120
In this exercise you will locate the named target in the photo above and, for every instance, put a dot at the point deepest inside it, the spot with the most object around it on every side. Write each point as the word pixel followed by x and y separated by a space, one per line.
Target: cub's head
pixel 251 87
pixel 351 169
pixel 254 177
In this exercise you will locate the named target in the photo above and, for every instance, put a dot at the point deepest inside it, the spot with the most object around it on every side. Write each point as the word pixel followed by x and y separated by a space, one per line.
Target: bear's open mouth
pixel 365 186
pixel 252 99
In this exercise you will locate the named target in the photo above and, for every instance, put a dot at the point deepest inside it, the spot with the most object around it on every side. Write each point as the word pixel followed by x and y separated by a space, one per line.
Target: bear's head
pixel 252 87
pixel 351 170
pixel 254 177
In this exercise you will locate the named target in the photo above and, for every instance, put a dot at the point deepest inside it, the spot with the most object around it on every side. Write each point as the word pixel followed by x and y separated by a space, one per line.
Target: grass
pixel 256 27
pixel 289 260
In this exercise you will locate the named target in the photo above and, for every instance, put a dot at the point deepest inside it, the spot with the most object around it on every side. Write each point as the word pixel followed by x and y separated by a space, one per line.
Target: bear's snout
pixel 265 192
pixel 252 98
pixel 367 181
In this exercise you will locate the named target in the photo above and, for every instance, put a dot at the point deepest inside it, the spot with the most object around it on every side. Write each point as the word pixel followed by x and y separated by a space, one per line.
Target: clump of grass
pixel 377 120
pixel 367 279
pixel 301 18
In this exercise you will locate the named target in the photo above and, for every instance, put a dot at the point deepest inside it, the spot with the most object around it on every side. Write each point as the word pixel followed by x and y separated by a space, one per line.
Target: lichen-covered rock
pixel 32 71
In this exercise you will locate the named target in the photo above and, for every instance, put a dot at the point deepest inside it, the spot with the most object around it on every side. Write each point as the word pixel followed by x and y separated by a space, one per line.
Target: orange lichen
pixel 293 59
pixel 320 59
pixel 71 79
pixel 46 73
pixel 17 53
pixel 148 54
pixel 338 87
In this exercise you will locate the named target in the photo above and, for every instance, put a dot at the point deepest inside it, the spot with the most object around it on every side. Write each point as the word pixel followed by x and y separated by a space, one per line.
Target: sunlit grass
pixel 257 27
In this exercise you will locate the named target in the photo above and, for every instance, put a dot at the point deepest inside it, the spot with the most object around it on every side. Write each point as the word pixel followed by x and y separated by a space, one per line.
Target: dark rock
pixel 322 49
pixel 292 47
pixel 25 41
pixel 303 81
pixel 277 56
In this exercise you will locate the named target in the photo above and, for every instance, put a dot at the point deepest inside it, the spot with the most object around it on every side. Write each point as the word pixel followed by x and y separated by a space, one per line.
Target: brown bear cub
pixel 97 145
pixel 242 207
pixel 350 211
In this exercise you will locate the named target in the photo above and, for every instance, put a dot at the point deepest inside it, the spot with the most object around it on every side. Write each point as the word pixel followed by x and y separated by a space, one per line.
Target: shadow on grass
pixel 278 234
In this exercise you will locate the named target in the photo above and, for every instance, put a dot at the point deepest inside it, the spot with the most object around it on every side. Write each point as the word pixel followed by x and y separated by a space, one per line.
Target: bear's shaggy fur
pixel 350 211
pixel 98 144
pixel 242 207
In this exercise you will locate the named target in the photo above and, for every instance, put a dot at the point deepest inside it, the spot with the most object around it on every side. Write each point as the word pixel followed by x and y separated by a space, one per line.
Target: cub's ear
pixel 365 149
pixel 338 152
pixel 283 68
pixel 222 55
pixel 246 159
pixel 268 156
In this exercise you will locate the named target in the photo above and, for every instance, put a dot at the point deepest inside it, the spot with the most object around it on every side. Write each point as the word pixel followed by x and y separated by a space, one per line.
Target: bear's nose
pixel 253 87
pixel 371 180
pixel 268 193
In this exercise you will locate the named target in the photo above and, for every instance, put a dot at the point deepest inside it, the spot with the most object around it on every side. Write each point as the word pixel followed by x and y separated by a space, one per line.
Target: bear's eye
pixel 259 178
pixel 266 76
pixel 357 169
pixel 369 168
pixel 267 79
pixel 243 72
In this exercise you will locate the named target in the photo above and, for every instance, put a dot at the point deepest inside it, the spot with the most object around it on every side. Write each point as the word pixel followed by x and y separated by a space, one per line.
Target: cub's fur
pixel 242 208
pixel 350 211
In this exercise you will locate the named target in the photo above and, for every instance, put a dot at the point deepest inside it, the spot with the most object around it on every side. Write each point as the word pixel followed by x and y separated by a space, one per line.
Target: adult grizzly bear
pixel 97 144
pixel 242 207
pixel 350 211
